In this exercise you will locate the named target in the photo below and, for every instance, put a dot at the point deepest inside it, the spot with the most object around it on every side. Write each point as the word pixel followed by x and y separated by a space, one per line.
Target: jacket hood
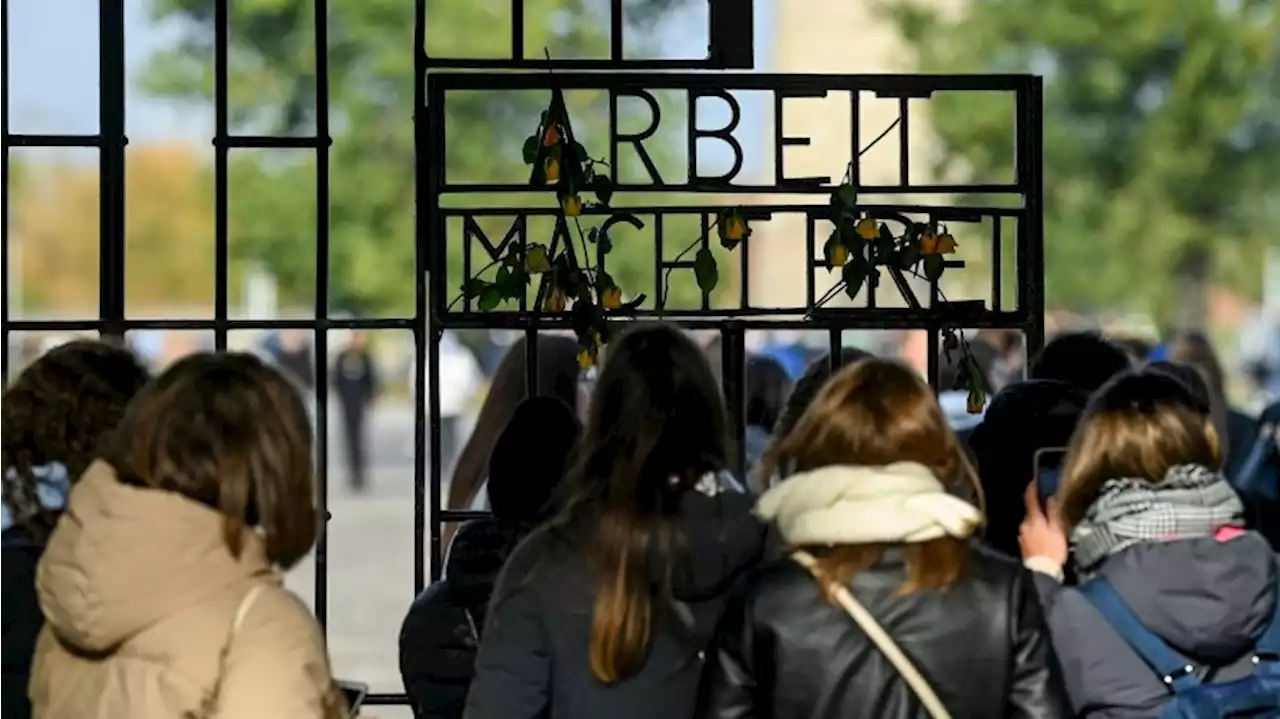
pixel 476 555
pixel 1207 598
pixel 124 558
pixel 722 539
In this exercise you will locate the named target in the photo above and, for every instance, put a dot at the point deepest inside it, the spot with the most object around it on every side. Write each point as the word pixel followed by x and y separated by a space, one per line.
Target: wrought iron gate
pixel 730 47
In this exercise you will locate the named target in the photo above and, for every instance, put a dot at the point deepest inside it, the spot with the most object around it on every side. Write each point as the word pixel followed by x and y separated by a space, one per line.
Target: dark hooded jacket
pixel 1022 418
pixel 1208 599
pixel 441 632
pixel 533 659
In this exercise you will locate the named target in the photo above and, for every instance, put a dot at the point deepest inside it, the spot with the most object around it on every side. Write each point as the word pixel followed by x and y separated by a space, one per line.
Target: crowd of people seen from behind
pixel 1098 541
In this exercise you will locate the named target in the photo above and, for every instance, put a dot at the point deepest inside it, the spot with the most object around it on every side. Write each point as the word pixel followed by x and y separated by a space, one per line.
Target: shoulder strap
pixel 1258 465
pixel 1176 672
pixel 209 705
pixel 242 611
pixel 881 639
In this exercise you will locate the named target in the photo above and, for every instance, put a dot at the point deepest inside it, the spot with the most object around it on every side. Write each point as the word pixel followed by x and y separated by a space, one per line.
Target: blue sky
pixel 53 69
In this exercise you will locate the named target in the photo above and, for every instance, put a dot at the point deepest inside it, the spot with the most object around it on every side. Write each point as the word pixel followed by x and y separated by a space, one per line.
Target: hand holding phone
pixel 1046 467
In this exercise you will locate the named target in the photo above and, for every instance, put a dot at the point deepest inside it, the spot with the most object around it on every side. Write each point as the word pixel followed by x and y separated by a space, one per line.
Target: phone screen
pixel 355 693
pixel 1047 463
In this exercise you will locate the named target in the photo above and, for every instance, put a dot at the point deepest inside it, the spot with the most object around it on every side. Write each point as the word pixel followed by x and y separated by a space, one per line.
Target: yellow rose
pixel 867 229
pixel 536 261
pixel 976 400
pixel 555 301
pixel 611 298
pixel 839 255
pixel 946 244
pixel 572 206
pixel 929 244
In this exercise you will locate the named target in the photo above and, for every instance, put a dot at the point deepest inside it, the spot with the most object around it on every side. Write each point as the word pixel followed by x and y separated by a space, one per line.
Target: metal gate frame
pixel 730 46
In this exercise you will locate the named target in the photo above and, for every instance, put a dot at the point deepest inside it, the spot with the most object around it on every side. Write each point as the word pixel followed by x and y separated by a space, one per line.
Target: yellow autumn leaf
pixel 867 229
pixel 929 244
pixel 551 169
pixel 946 244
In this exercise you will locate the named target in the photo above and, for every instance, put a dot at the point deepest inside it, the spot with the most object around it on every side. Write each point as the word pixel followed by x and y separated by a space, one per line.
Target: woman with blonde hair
pixel 886 606
pixel 1176 597
pixel 161 582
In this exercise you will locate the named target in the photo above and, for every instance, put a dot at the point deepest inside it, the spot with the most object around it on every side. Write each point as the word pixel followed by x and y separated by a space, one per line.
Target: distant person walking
pixel 355 378
pixel 295 357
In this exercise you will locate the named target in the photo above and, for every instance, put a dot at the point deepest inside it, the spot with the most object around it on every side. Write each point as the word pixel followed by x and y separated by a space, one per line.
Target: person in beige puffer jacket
pixel 161 583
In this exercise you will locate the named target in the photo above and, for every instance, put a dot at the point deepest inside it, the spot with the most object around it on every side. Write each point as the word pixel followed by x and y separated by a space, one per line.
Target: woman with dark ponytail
pixel 620 591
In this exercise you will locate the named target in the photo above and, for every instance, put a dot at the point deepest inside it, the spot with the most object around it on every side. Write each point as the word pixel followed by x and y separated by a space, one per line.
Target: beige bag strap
pixel 209 705
pixel 242 611
pixel 880 638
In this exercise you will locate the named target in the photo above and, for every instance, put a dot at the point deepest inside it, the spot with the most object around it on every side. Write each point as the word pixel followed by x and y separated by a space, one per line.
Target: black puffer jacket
pixel 533 660
pixel 440 635
pixel 22 619
pixel 783 651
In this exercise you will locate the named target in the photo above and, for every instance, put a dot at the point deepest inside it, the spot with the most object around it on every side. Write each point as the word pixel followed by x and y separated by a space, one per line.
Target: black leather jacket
pixel 782 651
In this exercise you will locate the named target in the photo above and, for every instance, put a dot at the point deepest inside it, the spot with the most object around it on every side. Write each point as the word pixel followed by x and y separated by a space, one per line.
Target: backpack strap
pixel 1176 672
pixel 1258 471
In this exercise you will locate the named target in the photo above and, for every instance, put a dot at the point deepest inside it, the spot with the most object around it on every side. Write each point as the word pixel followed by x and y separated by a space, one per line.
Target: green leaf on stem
pixel 933 267
pixel 603 188
pixel 490 298
pixel 530 149
pixel 704 268
pixel 884 245
pixel 473 287
pixel 854 275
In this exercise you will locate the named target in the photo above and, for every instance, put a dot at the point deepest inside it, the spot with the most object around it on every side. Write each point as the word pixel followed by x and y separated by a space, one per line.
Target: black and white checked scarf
pixel 1192 501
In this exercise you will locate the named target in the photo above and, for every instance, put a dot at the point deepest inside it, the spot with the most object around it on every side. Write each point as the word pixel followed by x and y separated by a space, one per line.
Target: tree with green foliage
pixel 1161 137
pixel 371 78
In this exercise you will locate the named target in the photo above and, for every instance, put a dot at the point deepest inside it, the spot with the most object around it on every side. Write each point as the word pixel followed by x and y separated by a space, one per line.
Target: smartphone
pixel 355 692
pixel 1047 467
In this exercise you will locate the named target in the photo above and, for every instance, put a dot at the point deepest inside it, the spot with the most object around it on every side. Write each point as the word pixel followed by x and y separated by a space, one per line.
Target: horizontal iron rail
pixel 949 213
pixel 26 140
pixel 887 318
pixel 882 85
pixel 353 323
pixel 461 188
pixel 602 65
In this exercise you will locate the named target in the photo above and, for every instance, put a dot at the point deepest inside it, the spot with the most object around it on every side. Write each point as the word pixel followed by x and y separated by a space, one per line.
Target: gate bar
pixel 111 175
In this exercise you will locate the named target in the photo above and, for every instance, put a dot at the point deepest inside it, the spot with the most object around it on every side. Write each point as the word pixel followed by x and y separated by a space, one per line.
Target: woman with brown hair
pixel 887 607
pixel 161 583
pixel 55 413
pixel 1156 536
pixel 557 374
pixel 604 611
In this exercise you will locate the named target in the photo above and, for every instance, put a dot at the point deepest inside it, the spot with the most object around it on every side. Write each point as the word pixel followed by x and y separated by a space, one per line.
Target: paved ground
pixel 370 558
